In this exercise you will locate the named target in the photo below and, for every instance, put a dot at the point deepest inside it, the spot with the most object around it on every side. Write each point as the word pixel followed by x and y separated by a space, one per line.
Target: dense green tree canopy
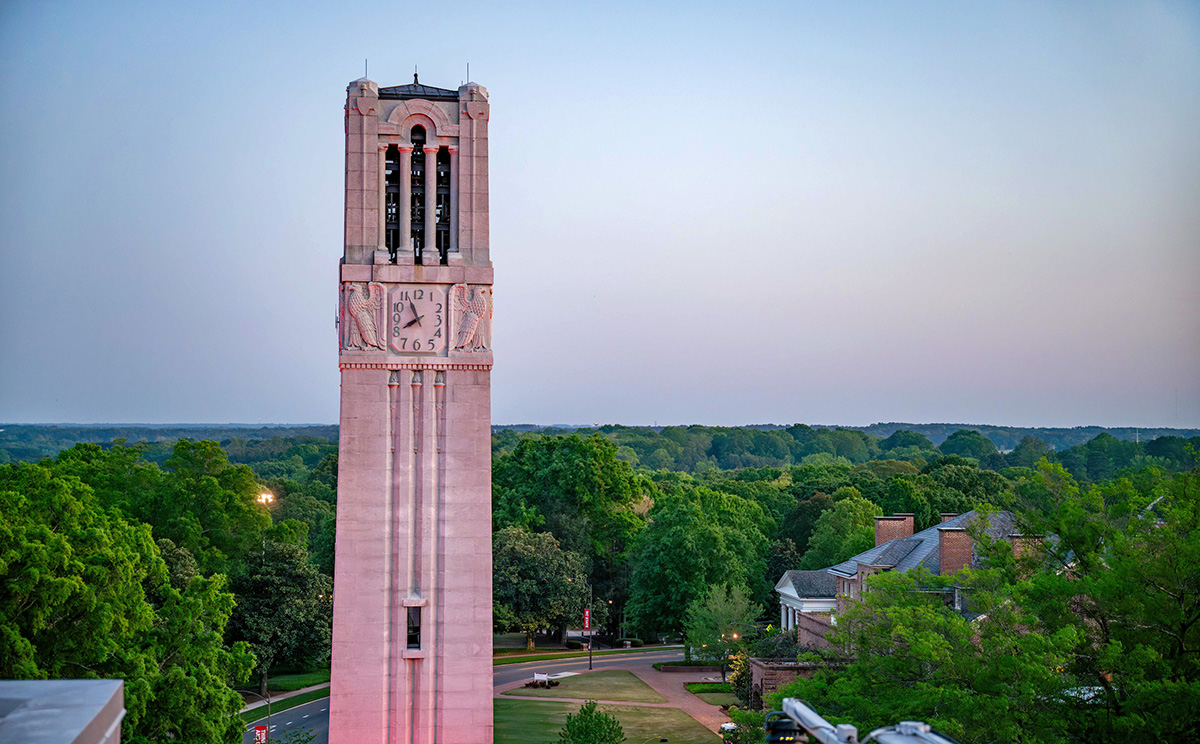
pixel 697 537
pixel 87 595
pixel 841 532
pixel 284 606
pixel 536 584
pixel 968 443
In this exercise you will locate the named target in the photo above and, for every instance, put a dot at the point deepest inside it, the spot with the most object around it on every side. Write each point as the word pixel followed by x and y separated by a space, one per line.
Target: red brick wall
pixel 954 549
pixel 811 629
pixel 890 528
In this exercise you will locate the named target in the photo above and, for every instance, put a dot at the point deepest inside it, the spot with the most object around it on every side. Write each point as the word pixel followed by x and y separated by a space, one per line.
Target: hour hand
pixel 416 318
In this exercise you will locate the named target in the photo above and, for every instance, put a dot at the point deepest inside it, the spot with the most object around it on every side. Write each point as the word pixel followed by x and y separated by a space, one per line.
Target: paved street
pixel 314 716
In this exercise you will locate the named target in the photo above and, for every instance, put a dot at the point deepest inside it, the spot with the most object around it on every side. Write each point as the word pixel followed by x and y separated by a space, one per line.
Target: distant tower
pixel 412 608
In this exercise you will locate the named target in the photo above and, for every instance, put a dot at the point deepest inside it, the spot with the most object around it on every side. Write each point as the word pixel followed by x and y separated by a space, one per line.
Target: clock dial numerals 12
pixel 417 319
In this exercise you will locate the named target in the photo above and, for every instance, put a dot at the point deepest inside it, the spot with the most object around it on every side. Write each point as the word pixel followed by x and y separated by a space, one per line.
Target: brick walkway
pixel 668 684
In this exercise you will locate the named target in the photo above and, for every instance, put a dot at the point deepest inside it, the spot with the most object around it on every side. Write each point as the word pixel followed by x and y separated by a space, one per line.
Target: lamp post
pixel 267 700
pixel 728 637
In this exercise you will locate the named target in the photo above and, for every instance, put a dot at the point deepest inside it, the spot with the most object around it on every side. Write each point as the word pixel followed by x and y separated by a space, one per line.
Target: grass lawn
pixel 713 693
pixel 502 658
pixel 610 684
pixel 290 682
pixel 539 721
pixel 514 643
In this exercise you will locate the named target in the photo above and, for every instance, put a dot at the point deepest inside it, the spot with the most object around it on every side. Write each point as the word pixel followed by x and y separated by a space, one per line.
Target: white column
pixel 782 614
pixel 430 256
pixel 405 246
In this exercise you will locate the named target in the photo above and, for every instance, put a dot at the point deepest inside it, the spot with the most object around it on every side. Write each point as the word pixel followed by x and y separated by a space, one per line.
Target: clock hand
pixel 416 318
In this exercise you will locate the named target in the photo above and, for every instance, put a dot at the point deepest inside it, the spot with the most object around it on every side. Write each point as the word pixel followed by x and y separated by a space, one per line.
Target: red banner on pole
pixel 587 618
pixel 260 735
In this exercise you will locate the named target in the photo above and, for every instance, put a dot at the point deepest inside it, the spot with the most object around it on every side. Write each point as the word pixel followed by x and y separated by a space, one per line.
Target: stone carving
pixel 473 311
pixel 363 303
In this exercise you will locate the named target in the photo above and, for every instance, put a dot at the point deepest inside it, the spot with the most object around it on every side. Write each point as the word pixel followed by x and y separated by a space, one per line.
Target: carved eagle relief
pixel 363 303
pixel 474 308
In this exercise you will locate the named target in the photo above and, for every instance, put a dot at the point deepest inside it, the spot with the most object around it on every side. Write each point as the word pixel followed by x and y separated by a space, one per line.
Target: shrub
pixel 634 642
pixel 574 644
pixel 591 726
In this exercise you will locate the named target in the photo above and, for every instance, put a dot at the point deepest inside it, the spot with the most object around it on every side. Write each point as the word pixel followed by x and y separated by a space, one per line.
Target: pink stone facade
pixel 414 471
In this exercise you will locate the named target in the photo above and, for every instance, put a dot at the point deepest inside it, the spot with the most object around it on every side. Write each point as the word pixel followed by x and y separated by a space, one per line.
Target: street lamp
pixel 268 702
pixel 733 638
pixel 266 498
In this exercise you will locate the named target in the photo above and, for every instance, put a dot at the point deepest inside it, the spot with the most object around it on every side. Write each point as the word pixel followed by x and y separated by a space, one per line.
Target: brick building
pixel 809 601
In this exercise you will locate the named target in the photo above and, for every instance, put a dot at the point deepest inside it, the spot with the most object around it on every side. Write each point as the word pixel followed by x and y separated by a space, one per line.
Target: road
pixel 314 716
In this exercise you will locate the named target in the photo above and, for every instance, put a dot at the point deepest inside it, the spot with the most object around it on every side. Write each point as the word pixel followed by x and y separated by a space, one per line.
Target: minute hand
pixel 416 318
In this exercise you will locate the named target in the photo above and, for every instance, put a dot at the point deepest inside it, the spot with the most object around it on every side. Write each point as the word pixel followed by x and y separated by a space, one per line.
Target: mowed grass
pixel 539 721
pixel 291 682
pixel 713 693
pixel 610 684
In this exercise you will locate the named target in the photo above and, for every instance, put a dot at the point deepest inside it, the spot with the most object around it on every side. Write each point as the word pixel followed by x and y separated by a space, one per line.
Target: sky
pixel 716 213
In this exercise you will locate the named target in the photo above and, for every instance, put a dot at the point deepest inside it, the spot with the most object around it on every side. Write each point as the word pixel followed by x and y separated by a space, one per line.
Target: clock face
pixel 417 319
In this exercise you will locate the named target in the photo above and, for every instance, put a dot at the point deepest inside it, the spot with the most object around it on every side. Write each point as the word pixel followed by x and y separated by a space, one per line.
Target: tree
pixel 841 532
pixel 591 726
pixel 783 557
pixel 697 537
pixel 202 503
pixel 576 489
pixel 1123 574
pixel 1027 452
pixel 535 583
pixel 86 594
pixel 968 443
pixel 720 621
pixel 284 606
pixel 799 523
pixel 916 658
pixel 905 438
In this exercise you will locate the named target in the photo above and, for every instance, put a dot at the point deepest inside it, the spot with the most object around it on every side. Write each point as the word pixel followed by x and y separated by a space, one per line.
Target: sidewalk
pixel 284 696
pixel 670 686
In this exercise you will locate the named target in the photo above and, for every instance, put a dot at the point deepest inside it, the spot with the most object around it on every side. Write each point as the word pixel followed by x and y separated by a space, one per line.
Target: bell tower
pixel 412 606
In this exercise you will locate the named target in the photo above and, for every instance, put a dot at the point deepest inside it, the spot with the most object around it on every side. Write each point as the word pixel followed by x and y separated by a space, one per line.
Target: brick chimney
pixel 955 548
pixel 947 516
pixel 890 528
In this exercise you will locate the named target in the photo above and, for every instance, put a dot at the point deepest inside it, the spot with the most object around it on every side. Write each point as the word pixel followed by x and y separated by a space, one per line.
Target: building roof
pixel 61 711
pixel 417 90
pixel 810 583
pixel 907 553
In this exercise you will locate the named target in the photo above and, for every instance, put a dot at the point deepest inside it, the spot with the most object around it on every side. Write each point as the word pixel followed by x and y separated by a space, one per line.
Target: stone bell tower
pixel 412 607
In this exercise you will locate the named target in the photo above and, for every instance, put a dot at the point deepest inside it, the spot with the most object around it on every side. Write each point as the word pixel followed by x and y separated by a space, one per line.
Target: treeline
pixel 699 449
pixel 185 579
pixel 32 442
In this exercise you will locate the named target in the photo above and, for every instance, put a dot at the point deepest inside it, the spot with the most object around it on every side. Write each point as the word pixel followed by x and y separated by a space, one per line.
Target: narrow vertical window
pixel 417 189
pixel 443 205
pixel 414 627
pixel 391 203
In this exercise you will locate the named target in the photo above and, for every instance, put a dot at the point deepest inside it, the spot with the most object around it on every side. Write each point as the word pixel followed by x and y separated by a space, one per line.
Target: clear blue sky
pixel 714 213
